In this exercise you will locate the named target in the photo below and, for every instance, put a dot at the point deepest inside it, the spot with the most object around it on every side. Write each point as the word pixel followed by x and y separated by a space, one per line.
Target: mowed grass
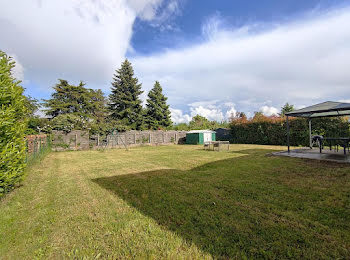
pixel 178 202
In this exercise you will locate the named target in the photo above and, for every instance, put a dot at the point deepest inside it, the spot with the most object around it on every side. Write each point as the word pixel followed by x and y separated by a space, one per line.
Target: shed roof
pixel 325 109
pixel 200 131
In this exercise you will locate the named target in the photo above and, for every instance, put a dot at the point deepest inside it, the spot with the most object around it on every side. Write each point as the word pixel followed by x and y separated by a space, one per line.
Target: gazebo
pixel 325 109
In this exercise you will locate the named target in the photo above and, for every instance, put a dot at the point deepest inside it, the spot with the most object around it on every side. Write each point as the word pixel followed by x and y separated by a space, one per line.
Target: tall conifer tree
pixel 124 101
pixel 75 100
pixel 157 111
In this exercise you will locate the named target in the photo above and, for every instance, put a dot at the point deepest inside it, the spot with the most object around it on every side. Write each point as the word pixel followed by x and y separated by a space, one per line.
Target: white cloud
pixel 72 39
pixel 212 110
pixel 212 114
pixel 178 117
pixel 164 19
pixel 229 104
pixel 230 113
pixel 301 63
pixel 146 9
pixel 212 26
pixel 18 70
pixel 269 111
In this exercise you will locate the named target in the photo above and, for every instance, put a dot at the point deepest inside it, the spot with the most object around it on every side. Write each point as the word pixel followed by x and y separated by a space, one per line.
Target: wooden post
pixel 134 138
pixel 76 141
pixel 288 134
pixel 149 137
pixel 163 137
pixel 35 146
pixel 98 140
pixel 175 137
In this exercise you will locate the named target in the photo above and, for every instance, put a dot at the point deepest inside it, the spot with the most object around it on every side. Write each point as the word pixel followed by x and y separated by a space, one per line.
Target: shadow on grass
pixel 227 208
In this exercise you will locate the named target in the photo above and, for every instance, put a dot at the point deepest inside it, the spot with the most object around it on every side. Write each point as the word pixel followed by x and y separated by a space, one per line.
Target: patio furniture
pixel 342 141
pixel 316 139
pixel 325 109
pixel 218 145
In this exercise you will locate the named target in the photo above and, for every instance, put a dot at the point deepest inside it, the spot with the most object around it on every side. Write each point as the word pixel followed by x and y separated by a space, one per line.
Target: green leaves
pixel 267 131
pixel 13 124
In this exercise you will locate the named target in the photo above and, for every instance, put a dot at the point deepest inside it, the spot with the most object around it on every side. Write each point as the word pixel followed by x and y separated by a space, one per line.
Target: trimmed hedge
pixel 12 127
pixel 275 132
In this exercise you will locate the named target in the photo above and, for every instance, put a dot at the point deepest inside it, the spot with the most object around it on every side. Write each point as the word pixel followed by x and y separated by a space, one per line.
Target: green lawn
pixel 178 202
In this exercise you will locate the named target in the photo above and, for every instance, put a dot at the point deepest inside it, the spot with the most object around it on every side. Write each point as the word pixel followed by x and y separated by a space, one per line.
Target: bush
pixel 273 131
pixel 12 126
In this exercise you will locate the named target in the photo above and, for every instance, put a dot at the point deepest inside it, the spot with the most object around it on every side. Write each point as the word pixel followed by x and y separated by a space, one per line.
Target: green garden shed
pixel 200 136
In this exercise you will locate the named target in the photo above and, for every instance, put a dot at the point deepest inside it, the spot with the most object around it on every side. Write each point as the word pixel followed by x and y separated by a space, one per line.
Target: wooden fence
pixel 137 138
pixel 36 142
pixel 80 140
pixel 36 146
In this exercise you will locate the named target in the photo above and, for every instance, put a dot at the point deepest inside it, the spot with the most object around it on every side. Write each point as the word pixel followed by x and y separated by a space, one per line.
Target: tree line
pixel 70 107
pixel 78 107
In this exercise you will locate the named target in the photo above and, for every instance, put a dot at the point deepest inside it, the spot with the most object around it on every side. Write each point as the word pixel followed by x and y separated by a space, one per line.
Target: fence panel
pixel 36 146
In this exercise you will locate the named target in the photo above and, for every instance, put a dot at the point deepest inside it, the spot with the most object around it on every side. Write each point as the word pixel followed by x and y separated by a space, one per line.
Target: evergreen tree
pixel 75 107
pixel 124 101
pixel 286 108
pixel 32 105
pixel 157 112
pixel 75 100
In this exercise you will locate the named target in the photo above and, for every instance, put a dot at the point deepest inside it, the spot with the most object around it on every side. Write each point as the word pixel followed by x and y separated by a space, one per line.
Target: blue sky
pixel 212 58
pixel 186 23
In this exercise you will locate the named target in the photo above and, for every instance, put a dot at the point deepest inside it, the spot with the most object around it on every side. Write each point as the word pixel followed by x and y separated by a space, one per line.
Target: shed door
pixel 207 137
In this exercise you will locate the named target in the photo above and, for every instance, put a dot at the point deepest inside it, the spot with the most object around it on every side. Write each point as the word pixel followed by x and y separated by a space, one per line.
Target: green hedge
pixel 275 133
pixel 12 127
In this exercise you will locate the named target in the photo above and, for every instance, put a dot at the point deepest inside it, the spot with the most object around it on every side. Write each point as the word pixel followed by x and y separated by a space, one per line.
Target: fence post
pixel 175 137
pixel 47 141
pixel 35 146
pixel 76 141
pixel 163 137
pixel 98 140
pixel 134 138
pixel 149 137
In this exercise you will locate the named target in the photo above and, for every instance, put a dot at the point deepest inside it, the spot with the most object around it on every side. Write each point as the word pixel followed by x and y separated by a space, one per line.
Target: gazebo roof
pixel 325 109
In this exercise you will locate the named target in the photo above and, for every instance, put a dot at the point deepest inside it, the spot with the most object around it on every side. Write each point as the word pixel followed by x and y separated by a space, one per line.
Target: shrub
pixel 12 126
pixel 273 130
